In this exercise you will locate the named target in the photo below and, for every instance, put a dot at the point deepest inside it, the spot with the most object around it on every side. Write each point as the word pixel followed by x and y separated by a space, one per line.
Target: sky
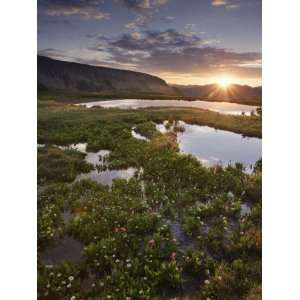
pixel 190 42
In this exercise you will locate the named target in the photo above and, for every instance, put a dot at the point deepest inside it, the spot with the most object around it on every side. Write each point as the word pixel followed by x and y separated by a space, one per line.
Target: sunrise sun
pixel 224 82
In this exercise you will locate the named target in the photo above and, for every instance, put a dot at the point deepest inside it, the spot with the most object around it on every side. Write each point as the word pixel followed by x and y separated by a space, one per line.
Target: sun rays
pixel 224 82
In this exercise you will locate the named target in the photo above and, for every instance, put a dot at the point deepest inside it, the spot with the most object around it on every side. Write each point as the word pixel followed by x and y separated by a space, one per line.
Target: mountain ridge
pixel 71 81
pixel 61 75
pixel 214 91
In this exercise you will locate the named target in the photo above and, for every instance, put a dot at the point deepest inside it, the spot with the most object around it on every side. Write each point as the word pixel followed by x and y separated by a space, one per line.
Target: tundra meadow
pixel 175 229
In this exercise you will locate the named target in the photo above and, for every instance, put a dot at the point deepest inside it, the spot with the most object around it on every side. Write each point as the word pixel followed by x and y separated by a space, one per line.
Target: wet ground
pixel 67 249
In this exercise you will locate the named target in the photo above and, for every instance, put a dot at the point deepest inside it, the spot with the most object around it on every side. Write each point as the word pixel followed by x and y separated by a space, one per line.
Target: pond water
pixel 105 177
pixel 138 136
pixel 245 209
pixel 96 158
pixel 221 107
pixel 212 146
pixel 81 147
pixel 66 216
pixel 182 240
pixel 67 249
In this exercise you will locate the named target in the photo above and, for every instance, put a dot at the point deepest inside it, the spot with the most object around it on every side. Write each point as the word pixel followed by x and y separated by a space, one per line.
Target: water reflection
pixel 104 177
pixel 212 146
pixel 181 239
pixel 162 127
pixel 138 136
pixel 245 209
pixel 81 147
pixel 221 107
pixel 66 216
pixel 97 158
pixel 107 177
pixel 68 249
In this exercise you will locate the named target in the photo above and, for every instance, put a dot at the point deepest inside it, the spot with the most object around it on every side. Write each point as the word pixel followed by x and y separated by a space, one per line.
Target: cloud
pixel 54 53
pixel 150 40
pixel 143 6
pixel 140 21
pixel 88 9
pixel 219 2
pixel 189 26
pixel 58 21
pixel 232 6
pixel 85 56
pixel 225 3
pixel 194 60
pixel 167 53
pixel 174 53
pixel 167 19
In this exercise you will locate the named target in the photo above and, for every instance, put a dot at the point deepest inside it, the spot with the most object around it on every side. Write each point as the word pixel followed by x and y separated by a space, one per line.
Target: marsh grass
pixel 130 251
pixel 77 97
pixel 56 165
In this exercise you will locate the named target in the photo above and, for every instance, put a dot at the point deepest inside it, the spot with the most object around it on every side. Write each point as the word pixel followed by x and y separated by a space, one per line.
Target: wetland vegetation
pixel 78 97
pixel 175 229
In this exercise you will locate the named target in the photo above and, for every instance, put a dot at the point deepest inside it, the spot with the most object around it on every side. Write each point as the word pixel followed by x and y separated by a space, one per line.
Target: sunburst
pixel 224 82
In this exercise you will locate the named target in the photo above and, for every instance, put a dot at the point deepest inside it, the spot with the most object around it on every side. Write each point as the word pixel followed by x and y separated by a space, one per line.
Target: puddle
pixel 81 147
pixel 138 136
pixel 245 209
pixel 162 127
pixel 98 159
pixel 183 242
pixel 104 177
pixel 107 177
pixel 68 249
pixel 66 216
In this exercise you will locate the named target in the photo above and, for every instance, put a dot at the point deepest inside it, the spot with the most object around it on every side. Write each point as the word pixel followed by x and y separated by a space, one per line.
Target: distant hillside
pixel 55 75
pixel 213 91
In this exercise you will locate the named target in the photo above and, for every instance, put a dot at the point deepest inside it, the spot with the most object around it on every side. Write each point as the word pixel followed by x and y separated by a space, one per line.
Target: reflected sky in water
pixel 221 107
pixel 138 136
pixel 67 249
pixel 104 177
pixel 96 158
pixel 212 146
pixel 107 177
pixel 81 147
